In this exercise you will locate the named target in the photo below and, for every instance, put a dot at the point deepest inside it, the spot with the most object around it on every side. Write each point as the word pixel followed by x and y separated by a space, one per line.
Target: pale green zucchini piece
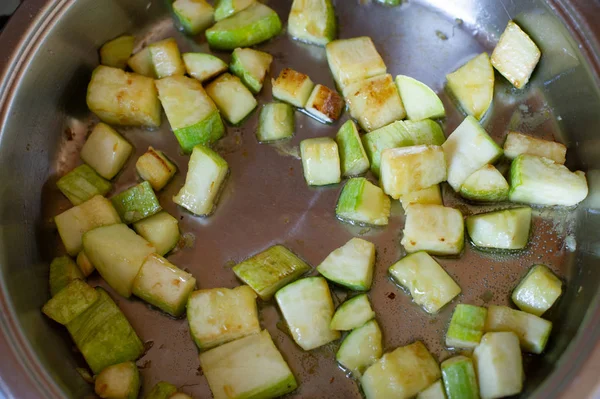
pixel 466 326
pixel 434 391
pixel 312 21
pixel 251 66
pixel 233 99
pixel 361 348
pixel 307 308
pixel 84 264
pixel 194 15
pixel 141 63
pixel 119 381
pixel 401 374
pixel 507 229
pixel 118 254
pixel 350 265
pixel 270 270
pixel 533 331
pixel 116 52
pixel 537 291
pixel 160 230
pixel 419 100
pixel 459 378
pixel 193 116
pixel 253 25
pixel 206 174
pixel 82 183
pixel 122 98
pixel 220 315
pixel 353 313
pixel 136 203
pixel 518 143
pixel 436 229
pixel 202 66
pixel 180 395
pixel 155 168
pixel 485 184
pixel 362 202
pixel 516 55
pixel 430 195
pixel 226 8
pixel 473 85
pixel 292 87
pixel 499 365
pixel 106 151
pixel 324 104
pixel 70 302
pixel 353 157
pixel 320 161
pixel 250 367
pixel 166 58
pixel 276 122
pixel 391 3
pixel 162 390
pixel 541 181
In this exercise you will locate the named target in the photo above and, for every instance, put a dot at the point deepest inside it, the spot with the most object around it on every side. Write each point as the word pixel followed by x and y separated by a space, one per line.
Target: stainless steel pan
pixel 47 52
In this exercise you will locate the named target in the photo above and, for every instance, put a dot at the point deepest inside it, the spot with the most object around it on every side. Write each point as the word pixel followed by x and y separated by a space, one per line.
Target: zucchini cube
pixel 194 15
pixel 193 116
pixel 430 195
pixel 162 390
pixel 350 265
pixel 118 254
pixel 250 367
pixel 320 161
pixel 141 63
pixel 160 230
pixel 375 102
pixel 458 374
pixel 166 58
pixel 486 185
pixel 251 66
pixel 518 143
pixel 74 222
pixel 353 313
pixel 136 203
pixel 270 270
pixel 292 87
pixel 220 315
pixel 408 169
pixel 472 85
pixel 206 174
pixel 164 285
pixel 516 55
pixel 312 21
pixel 84 264
pixel 202 66
pixel 537 291
pixel 419 100
pixel 155 168
pixel 116 52
pixel 362 202
pixel 430 286
pixel 324 104
pixel 62 272
pixel 307 308
pixel 391 3
pixel 70 302
pixel 226 8
pixel 507 229
pixel 435 229
pixel 276 122
pixel 106 151
pixel 360 349
pixel 122 98
pixel 81 184
pixel 233 99
pixel 353 157
pixel 434 391
pixel 402 373
pixel 118 381
pixel 467 326
pixel 533 331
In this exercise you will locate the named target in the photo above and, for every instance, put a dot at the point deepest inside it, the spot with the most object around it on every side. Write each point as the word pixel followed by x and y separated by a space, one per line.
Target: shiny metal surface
pixel 49 50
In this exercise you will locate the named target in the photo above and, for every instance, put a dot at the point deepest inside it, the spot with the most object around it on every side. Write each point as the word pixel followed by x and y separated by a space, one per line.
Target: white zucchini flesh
pixel 116 52
pixel 320 161
pixel 276 122
pixel 362 202
pixel 434 391
pixel 353 313
pixel 537 291
pixel 485 184
pixel 227 8
pixel 292 87
pixel 312 21
pixel 166 58
pixel 118 381
pixel 233 99
pixel 507 229
pixel 160 230
pixel 419 100
pixel 361 348
pixel 155 168
pixel 518 143
pixel 350 265
pixel 324 104
pixel 203 66
pixel 430 195
pixel 533 331
pixel 106 151
pixel 473 85
pixel 194 15
pixel 353 157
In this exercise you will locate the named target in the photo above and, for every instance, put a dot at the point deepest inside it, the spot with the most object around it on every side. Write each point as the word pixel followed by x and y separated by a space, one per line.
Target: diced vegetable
pixel 533 331
pixel 276 122
pixel 180 395
pixel 70 302
pixel 292 87
pixel 499 365
pixel 435 229
pixel 118 254
pixel 459 378
pixel 104 336
pixel 141 63
pixel 123 98
pixel 507 229
pixel 116 52
pixel 466 326
pixel 164 285
pixel 541 181
pixel 220 315
pixel 361 348
pixel 160 230
pixel 517 144
pixel 485 184
pixel 194 15
pixel 270 270
pixel 193 116
pixel 307 307
pixel 162 390
pixel 84 264
pixel 226 8
pixel 62 272
pixel 136 203
pixel 401 374
pixel 353 158
pixel 467 150
pixel 203 66
pixel 434 391
pixel 253 25
pixel 106 151
pixel 250 367
pixel 408 169
pixel 390 2
pixel 320 161
pixel 82 183
pixel 428 283
pixel 538 290
pixel 515 55
pixel 233 99
pixel 312 21
pixel 430 195
pixel 353 313
pixel 362 202
pixel 166 58
pixel 473 85
pixel 155 168
pixel 251 66
pixel 324 104
pixel 119 381
pixel 419 100
pixel 375 102
pixel 206 173
pixel 351 265
pixel 74 222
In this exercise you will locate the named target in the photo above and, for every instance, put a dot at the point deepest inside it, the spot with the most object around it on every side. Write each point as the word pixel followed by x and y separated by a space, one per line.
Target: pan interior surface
pixel 44 123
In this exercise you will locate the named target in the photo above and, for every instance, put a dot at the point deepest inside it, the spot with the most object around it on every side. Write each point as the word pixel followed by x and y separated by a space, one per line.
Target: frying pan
pixel 47 52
